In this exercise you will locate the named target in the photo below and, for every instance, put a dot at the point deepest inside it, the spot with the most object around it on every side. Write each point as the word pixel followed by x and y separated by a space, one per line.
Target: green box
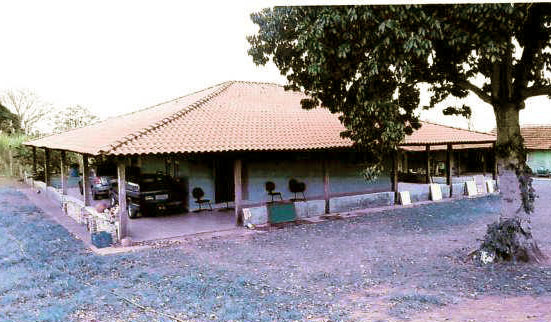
pixel 281 212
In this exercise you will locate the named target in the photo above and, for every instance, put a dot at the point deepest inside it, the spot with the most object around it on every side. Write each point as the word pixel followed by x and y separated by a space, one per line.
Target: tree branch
pixel 535 91
pixel 479 92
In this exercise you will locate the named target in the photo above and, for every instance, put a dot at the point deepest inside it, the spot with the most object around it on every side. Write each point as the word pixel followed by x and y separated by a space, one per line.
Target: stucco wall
pixel 344 176
pixel 539 159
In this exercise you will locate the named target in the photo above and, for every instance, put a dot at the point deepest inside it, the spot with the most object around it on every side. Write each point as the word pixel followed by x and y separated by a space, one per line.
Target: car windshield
pixel 152 182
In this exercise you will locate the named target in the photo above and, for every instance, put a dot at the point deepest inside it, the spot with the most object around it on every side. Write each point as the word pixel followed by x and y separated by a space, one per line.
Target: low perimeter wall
pixel 312 208
pixel 74 208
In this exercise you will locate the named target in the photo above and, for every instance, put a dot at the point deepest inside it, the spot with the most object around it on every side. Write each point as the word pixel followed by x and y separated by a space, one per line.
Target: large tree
pixel 367 62
pixel 72 117
pixel 28 106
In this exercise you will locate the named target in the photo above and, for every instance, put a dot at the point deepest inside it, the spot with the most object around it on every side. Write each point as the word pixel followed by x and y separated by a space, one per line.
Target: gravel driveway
pixel 395 265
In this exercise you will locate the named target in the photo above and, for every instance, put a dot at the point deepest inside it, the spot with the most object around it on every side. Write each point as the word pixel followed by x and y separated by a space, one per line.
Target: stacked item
pixel 105 221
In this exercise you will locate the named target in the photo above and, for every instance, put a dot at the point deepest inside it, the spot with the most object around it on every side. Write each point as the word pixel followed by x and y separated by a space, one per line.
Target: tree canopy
pixel 9 122
pixel 73 117
pixel 368 62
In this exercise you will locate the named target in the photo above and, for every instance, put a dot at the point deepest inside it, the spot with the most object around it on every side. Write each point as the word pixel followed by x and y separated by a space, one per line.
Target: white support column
pixel 86 188
pixel 63 169
pixel 238 189
pixel 123 215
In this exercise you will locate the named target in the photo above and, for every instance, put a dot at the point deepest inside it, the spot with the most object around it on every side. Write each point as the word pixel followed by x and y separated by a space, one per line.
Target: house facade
pixel 537 140
pixel 232 138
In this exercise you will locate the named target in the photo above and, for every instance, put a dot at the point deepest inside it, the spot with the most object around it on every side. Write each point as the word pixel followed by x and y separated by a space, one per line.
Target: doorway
pixel 223 180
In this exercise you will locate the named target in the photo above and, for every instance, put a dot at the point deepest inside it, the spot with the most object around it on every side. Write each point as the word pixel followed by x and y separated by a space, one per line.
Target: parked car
pixel 99 185
pixel 149 194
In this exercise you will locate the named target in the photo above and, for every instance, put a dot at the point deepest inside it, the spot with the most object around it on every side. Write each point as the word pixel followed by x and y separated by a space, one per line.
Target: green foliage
pixel 73 117
pixel 366 62
pixel 9 122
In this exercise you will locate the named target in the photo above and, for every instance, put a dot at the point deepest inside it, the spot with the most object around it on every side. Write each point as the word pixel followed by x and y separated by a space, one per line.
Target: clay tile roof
pixel 537 137
pixel 431 133
pixel 233 116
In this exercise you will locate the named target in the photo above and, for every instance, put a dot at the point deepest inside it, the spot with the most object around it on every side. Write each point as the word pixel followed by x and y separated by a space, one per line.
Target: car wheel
pixel 132 212
pixel 94 196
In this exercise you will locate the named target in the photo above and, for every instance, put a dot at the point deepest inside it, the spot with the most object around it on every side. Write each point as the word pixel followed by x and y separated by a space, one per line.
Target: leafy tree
pixel 28 107
pixel 367 62
pixel 73 117
pixel 9 122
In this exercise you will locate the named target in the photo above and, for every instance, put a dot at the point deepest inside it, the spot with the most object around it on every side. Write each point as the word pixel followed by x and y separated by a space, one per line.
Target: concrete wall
pixel 356 202
pixel 344 175
pixel 312 208
pixel 344 178
pixel 539 159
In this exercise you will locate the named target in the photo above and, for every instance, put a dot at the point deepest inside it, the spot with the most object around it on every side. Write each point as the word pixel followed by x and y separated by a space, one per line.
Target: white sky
pixel 115 57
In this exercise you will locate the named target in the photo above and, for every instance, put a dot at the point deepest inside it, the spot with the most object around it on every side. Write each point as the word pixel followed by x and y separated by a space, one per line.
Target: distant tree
pixel 28 107
pixel 9 122
pixel 367 62
pixel 73 117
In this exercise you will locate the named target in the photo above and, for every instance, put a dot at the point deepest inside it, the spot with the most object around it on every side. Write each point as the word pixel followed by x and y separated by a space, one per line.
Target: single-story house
pixel 537 140
pixel 231 138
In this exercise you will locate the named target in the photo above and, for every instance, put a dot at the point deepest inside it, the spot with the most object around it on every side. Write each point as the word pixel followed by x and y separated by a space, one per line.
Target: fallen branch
pixel 145 308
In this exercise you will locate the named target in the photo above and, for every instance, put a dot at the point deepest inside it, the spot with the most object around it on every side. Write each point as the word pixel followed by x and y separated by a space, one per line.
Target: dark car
pixel 99 185
pixel 150 194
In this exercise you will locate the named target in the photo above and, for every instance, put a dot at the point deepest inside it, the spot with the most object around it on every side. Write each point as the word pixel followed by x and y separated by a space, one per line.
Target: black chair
pixel 297 187
pixel 270 187
pixel 198 194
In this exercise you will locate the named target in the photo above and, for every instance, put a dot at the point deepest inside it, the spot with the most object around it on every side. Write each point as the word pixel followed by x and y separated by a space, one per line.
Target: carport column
pixel 326 187
pixel 34 165
pixel 449 167
pixel 237 166
pixel 63 173
pixel 395 175
pixel 86 189
pixel 494 166
pixel 123 218
pixel 47 166
pixel 427 149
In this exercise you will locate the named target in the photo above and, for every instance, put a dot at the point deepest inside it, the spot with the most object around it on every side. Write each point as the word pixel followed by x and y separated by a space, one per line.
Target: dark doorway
pixel 223 180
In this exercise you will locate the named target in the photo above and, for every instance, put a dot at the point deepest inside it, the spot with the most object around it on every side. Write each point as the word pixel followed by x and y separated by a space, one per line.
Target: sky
pixel 116 57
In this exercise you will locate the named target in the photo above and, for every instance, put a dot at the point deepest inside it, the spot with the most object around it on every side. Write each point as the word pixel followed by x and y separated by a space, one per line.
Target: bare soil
pixel 401 265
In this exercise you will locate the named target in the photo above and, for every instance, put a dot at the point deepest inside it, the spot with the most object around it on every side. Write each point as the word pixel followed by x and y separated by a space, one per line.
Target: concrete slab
pixel 170 226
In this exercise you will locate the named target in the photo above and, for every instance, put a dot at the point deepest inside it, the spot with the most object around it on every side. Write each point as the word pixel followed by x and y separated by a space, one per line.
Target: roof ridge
pixel 181 112
pixel 457 128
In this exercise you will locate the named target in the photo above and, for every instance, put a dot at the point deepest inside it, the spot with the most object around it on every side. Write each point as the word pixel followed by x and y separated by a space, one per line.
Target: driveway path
pixel 389 266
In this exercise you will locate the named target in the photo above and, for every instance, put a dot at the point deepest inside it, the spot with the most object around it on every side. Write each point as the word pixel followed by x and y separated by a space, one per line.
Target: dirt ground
pixel 400 265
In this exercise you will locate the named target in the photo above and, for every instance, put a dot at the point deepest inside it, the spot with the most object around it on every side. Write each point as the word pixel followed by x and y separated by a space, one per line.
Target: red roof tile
pixel 537 137
pixel 233 116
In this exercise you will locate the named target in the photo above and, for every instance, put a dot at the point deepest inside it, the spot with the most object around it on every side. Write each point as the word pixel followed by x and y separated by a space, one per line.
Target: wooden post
pixel 34 162
pixel 237 166
pixel 86 189
pixel 63 169
pixel 47 166
pixel 449 167
pixel 458 162
pixel 121 181
pixel 326 187
pixel 427 149
pixel 494 167
pixel 484 157
pixel 395 175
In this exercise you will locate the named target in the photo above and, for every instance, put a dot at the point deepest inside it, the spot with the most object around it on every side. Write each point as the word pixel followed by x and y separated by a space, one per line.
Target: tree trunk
pixel 510 238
